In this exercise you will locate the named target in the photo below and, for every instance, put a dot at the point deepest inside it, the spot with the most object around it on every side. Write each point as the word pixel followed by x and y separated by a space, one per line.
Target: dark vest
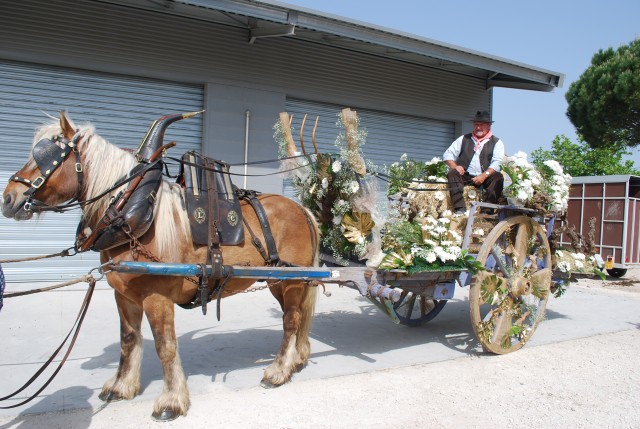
pixel 466 152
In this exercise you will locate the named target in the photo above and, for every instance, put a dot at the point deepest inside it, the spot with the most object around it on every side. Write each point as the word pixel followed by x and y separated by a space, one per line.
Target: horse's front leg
pixel 297 302
pixel 126 383
pixel 174 400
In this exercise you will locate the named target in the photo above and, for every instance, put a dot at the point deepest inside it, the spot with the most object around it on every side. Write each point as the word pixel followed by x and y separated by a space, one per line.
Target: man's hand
pixel 460 170
pixel 479 179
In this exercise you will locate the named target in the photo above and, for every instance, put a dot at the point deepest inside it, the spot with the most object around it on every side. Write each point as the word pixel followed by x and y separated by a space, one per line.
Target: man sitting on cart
pixel 475 159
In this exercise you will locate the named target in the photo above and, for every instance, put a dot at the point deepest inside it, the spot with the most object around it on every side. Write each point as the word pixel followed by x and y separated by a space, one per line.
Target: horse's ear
pixel 66 127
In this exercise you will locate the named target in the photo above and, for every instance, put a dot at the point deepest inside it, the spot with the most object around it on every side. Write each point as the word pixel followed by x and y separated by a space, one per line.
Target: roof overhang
pixel 269 18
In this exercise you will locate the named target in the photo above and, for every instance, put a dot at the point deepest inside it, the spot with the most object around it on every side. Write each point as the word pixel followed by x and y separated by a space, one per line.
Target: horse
pixel 169 239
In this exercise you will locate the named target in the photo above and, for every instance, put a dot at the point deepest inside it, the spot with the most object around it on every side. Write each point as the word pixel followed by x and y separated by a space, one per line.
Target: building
pixel 120 64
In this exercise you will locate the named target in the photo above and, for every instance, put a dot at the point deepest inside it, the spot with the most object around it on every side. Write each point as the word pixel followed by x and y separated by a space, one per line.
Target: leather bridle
pixel 48 155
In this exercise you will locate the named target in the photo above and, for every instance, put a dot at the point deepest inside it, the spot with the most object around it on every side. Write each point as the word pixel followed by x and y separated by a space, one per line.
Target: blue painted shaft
pixel 189 270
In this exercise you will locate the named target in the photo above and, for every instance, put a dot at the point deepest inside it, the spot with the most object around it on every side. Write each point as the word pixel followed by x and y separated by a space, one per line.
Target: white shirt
pixel 453 152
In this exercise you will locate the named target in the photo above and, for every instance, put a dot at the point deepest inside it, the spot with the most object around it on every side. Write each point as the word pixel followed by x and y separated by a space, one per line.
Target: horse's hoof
pixel 268 385
pixel 110 397
pixel 165 415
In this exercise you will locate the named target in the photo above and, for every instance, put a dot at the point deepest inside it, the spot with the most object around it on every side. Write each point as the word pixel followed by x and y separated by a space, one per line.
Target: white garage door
pixel 121 107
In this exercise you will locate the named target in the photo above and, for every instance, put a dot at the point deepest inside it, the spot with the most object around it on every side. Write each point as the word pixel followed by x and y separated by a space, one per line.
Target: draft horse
pixel 168 239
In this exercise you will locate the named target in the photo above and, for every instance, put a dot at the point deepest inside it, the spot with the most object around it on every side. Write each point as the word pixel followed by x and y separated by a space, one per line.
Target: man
pixel 475 159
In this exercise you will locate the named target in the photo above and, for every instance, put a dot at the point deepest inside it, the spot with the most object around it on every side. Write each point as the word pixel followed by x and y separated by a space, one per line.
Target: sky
pixel 557 35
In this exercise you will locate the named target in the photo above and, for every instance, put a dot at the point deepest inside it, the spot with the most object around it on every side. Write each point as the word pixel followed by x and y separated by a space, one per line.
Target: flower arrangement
pixel 425 243
pixel 336 189
pixel 523 177
pixel 569 263
pixel 407 171
pixel 541 187
pixel 555 185
pixel 420 233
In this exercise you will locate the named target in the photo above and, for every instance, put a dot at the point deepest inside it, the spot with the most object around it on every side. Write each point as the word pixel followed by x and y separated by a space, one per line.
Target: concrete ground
pixel 580 369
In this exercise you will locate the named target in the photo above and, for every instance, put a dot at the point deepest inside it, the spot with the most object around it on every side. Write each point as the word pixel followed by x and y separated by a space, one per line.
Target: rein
pixel 75 329
pixel 41 207
pixel 63 253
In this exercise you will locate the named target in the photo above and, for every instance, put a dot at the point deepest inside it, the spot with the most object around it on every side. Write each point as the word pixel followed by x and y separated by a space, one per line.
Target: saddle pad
pixel 211 202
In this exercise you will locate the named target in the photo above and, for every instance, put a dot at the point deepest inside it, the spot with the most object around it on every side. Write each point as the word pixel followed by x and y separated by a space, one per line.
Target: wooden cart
pixel 507 299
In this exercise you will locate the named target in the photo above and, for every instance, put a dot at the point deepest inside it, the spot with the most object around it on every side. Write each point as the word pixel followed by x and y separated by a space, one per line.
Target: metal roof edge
pixel 615 178
pixel 277 11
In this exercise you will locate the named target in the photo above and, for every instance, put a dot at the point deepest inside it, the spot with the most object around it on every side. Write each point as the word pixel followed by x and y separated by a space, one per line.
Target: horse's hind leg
pixel 174 400
pixel 297 301
pixel 126 383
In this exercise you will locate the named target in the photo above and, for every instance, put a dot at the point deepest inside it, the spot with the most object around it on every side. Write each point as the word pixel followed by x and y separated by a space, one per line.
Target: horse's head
pixel 50 176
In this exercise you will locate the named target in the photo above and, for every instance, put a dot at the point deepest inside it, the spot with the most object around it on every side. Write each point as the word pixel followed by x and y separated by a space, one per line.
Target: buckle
pixel 78 167
pixel 38 182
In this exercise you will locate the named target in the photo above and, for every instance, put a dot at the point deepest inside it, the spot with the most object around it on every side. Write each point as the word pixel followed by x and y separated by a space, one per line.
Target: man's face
pixel 480 129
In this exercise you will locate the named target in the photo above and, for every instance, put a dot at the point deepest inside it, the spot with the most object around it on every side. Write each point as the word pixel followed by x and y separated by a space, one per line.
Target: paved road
pixel 350 340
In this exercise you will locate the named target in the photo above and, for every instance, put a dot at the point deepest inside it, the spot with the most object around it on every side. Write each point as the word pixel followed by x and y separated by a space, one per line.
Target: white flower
pixel 554 165
pixel 563 266
pixel 431 257
pixel 579 256
pixel 354 186
pixel 447 213
pixel 325 183
pixel 559 253
pixel 520 154
pixel 444 220
pixel 403 157
pixel 434 160
pixel 440 229
pixel 522 195
pixel 479 231
pixel 336 166
pixel 579 264
pixel 439 196
pixel 337 219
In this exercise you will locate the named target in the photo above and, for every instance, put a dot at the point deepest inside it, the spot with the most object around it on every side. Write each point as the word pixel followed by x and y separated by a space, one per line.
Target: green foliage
pixel 579 159
pixel 604 103
pixel 407 170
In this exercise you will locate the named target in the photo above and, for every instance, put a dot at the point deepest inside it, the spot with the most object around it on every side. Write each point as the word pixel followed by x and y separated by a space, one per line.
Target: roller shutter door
pixel 121 108
pixel 389 135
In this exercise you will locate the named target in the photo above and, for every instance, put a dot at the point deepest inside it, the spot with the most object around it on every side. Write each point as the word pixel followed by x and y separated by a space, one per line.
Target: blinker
pixel 47 151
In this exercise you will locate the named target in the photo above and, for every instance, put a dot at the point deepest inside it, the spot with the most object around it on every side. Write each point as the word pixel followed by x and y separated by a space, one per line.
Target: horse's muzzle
pixel 13 208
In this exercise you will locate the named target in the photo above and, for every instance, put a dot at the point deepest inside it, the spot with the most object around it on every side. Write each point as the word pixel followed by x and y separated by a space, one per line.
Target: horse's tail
pixel 308 304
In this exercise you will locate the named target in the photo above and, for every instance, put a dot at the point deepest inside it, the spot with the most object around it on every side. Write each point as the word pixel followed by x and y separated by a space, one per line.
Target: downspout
pixel 247 117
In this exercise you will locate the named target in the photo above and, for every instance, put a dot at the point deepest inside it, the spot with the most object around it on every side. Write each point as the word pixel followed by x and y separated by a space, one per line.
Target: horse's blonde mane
pixel 103 165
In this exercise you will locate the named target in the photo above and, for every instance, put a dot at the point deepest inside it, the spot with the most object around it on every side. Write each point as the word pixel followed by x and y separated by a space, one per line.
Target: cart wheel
pixel 616 272
pixel 414 309
pixel 509 298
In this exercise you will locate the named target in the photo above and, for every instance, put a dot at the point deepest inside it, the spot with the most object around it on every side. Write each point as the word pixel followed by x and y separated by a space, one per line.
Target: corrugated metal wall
pixel 120 107
pixel 114 38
